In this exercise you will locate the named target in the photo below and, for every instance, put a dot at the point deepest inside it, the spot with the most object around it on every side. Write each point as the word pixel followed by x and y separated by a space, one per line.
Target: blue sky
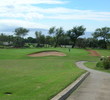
pixel 47 13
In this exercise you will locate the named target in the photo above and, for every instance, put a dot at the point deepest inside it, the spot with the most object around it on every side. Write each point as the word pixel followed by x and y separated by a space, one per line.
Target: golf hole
pixel 8 93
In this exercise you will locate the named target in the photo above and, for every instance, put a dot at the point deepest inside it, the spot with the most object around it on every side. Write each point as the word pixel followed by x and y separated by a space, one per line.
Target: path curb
pixel 72 87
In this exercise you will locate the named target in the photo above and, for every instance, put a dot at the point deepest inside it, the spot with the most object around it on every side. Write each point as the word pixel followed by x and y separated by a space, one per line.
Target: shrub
pixel 104 63
pixel 99 64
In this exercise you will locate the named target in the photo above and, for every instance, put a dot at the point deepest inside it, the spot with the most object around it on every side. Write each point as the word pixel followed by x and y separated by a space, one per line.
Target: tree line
pixel 57 37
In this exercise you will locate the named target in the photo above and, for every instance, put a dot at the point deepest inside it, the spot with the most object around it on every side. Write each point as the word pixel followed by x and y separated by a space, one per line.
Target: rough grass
pixel 37 78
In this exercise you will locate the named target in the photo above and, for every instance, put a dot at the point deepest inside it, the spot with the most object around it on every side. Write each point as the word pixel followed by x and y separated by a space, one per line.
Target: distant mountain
pixel 37 29
pixel 87 35
pixel 30 34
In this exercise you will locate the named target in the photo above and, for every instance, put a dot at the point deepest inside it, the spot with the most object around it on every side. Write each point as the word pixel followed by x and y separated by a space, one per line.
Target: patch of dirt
pixel 93 52
pixel 47 53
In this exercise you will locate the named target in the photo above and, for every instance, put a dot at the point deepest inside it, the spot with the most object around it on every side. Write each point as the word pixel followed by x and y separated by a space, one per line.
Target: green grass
pixel 76 54
pixel 38 78
pixel 92 65
pixel 104 52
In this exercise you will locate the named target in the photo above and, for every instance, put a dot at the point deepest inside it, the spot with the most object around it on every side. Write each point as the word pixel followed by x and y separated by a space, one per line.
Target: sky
pixel 34 14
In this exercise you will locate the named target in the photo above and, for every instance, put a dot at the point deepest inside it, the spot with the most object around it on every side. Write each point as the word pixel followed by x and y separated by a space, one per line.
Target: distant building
pixel 7 43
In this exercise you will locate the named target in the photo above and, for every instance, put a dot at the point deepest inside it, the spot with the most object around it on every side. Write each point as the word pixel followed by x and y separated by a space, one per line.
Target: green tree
pixel 40 38
pixel 64 40
pixel 75 33
pixel 18 42
pixel 102 33
pixel 20 33
pixel 81 43
pixel 57 34
pixel 3 38
pixel 30 40
pixel 92 43
pixel 49 40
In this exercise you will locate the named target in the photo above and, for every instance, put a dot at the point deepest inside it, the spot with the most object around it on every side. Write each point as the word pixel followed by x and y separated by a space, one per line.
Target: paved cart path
pixel 95 87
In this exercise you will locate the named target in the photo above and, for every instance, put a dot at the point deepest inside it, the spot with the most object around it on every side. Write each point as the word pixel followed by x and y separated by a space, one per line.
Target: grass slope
pixel 37 78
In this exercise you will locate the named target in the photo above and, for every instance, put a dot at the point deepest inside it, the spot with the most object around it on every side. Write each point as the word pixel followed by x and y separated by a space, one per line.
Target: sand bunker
pixel 47 53
pixel 93 52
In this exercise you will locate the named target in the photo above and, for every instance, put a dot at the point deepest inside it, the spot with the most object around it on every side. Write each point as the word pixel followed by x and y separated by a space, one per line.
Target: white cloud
pixel 11 11
pixel 27 16
pixel 8 26
pixel 20 23
pixel 19 2
pixel 83 16
pixel 29 12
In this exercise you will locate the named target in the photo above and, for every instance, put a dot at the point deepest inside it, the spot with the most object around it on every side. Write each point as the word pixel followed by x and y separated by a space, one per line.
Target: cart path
pixel 95 87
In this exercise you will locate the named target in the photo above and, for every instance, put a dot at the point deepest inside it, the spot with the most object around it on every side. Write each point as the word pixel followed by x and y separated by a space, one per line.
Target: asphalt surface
pixel 95 87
